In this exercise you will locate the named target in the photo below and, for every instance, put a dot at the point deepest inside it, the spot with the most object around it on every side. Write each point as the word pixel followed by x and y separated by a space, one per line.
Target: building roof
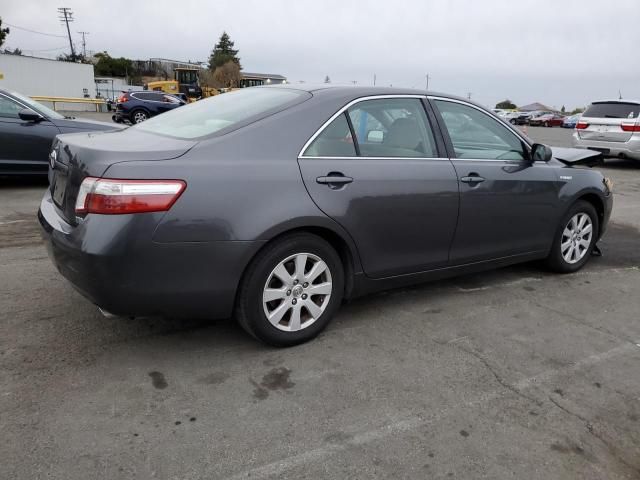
pixel 535 106
pixel 273 76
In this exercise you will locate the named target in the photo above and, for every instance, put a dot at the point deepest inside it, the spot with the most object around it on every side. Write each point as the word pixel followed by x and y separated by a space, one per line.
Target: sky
pixel 558 52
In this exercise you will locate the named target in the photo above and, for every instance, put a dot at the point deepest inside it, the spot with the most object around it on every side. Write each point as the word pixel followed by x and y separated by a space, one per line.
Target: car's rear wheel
pixel 291 290
pixel 139 116
pixel 513 121
pixel 575 238
pixel 546 124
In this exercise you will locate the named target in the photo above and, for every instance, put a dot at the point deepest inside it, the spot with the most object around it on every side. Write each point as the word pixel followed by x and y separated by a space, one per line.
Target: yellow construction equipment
pixel 185 81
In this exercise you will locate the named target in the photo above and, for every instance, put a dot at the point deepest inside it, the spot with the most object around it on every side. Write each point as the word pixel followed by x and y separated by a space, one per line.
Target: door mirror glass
pixel 29 115
pixel 541 153
pixel 375 136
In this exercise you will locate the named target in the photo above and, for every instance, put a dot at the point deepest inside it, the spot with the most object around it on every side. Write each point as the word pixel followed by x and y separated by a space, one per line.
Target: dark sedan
pixel 277 203
pixel 27 129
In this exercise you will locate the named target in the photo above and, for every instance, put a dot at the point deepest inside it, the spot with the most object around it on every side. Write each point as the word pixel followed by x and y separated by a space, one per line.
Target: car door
pixel 506 200
pixel 24 145
pixel 376 169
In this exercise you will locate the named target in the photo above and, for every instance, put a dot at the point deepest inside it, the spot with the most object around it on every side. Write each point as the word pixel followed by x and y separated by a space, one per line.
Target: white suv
pixel 611 127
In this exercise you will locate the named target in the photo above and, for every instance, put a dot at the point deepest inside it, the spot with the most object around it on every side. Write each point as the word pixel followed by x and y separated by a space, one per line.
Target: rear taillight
pixel 581 125
pixel 110 196
pixel 630 127
pixel 123 98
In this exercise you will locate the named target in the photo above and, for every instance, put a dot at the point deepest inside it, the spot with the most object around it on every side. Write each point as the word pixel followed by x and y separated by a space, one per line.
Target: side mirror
pixel 540 153
pixel 375 136
pixel 29 115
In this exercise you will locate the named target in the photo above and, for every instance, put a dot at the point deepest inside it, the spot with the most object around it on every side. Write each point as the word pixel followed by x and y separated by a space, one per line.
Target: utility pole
pixel 66 15
pixel 469 95
pixel 84 43
pixel 374 79
pixel 428 77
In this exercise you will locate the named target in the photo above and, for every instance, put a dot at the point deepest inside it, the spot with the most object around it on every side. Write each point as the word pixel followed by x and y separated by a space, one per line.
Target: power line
pixel 66 16
pixel 34 31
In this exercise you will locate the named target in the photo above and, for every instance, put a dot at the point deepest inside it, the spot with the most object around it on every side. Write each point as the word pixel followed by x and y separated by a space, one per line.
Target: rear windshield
pixel 612 110
pixel 225 110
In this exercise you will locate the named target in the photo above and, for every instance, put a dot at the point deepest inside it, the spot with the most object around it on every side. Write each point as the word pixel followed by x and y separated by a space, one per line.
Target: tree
pixel 15 51
pixel 327 79
pixel 3 33
pixel 562 110
pixel 577 110
pixel 107 66
pixel 223 53
pixel 228 75
pixel 506 105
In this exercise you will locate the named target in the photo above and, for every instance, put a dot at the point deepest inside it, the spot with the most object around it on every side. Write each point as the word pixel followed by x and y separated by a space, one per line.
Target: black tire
pixel 546 124
pixel 513 121
pixel 250 311
pixel 555 261
pixel 137 116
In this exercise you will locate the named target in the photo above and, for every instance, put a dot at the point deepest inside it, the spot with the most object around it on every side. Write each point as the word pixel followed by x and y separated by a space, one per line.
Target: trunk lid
pixel 78 155
pixel 604 121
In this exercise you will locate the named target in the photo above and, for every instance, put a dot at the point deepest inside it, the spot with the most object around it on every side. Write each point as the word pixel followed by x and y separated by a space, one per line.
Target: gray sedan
pixel 277 203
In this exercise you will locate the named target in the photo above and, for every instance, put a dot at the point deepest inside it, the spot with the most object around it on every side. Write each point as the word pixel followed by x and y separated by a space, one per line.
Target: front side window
pixel 9 108
pixel 227 110
pixel 392 127
pixel 476 135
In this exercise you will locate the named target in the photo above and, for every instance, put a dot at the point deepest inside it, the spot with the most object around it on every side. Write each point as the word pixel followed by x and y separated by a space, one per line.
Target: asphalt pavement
pixel 514 373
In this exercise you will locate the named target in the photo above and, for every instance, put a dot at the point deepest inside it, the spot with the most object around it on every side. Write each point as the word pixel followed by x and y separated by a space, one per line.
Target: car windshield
pixel 38 107
pixel 612 110
pixel 222 111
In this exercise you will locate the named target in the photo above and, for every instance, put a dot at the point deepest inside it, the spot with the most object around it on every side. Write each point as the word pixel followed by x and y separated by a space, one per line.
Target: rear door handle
pixel 334 180
pixel 472 179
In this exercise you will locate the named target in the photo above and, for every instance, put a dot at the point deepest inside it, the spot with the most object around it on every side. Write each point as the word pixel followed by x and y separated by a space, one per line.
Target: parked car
pixel 278 202
pixel 522 118
pixel 136 107
pixel 511 117
pixel 27 129
pixel 547 120
pixel 611 127
pixel 570 122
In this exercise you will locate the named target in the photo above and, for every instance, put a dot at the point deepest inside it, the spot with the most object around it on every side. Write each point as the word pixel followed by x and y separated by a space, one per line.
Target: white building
pixel 39 76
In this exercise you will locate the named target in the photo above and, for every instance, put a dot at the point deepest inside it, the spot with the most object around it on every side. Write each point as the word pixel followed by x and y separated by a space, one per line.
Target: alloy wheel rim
pixel 297 292
pixel 139 117
pixel 576 238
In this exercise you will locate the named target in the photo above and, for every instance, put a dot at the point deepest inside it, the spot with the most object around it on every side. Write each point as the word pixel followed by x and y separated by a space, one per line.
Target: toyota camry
pixel 275 204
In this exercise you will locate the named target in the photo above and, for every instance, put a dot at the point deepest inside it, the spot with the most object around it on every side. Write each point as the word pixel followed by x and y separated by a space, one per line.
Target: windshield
pixel 225 110
pixel 38 107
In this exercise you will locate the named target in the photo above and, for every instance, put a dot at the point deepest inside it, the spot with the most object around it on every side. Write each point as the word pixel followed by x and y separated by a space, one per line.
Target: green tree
pixel 223 52
pixel 506 105
pixel 327 79
pixel 107 66
pixel 3 33
pixel 562 110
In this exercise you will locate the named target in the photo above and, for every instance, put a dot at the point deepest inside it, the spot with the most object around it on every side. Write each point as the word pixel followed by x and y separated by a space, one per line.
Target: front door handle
pixel 472 178
pixel 334 180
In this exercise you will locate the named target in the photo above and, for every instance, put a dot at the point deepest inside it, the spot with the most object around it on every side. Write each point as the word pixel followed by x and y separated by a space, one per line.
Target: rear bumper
pixel 112 261
pixel 630 149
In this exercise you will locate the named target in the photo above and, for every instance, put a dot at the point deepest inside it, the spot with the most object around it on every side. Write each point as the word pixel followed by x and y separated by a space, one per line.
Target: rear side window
pixel 394 127
pixel 227 110
pixel 385 128
pixel 334 141
pixel 612 110
pixel 9 108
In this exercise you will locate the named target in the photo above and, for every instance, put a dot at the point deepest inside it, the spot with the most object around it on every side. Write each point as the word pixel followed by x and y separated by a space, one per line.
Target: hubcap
pixel 139 117
pixel 576 238
pixel 297 292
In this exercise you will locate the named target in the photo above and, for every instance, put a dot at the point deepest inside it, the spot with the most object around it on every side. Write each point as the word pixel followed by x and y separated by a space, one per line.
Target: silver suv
pixel 611 127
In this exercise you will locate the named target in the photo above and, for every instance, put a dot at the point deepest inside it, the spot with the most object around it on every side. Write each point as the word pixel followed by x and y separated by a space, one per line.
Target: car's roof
pixel 617 100
pixel 363 91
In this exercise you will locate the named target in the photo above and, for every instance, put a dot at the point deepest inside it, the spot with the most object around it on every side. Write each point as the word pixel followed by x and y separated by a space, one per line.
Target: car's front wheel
pixel 513 121
pixel 575 238
pixel 291 290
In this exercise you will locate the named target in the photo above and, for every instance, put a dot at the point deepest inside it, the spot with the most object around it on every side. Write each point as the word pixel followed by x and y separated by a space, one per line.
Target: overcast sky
pixel 558 52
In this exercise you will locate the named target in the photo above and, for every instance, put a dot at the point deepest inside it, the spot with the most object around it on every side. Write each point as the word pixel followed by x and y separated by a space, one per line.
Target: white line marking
pixel 11 221
pixel 278 467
